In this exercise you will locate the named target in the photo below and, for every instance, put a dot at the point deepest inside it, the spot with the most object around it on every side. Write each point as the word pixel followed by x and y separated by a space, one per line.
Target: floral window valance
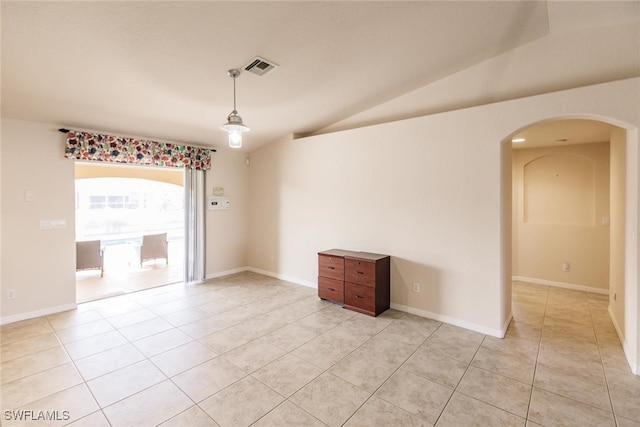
pixel 117 149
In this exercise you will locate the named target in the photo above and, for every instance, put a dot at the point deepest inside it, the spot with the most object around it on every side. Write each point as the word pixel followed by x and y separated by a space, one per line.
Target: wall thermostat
pixel 217 203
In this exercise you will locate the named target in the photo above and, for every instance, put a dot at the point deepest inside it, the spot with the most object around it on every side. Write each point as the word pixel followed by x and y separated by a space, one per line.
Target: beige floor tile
pixel 551 409
pixel 208 378
pixel 369 366
pixel 466 411
pixel 23 330
pixel 38 386
pixel 239 314
pixel 149 407
pixel 16 349
pixel 228 339
pixel 327 349
pixel 586 386
pixel 66 406
pixel 318 322
pixel 125 382
pixel 145 329
pixel 206 326
pixel 415 394
pixel 161 342
pixel 436 367
pixel 497 390
pixel 95 344
pixel 192 417
pixel 182 317
pixel 330 399
pixel 411 329
pixel 456 343
pixel 377 412
pixel 625 422
pixel 364 325
pixel 72 318
pixel 97 419
pixel 288 414
pixel 625 395
pixel 254 355
pixel 33 363
pixel 520 329
pixel 108 361
pixel 291 336
pixel 219 305
pixel 118 305
pixel 131 318
pixel 76 333
pixel 504 363
pixel 287 374
pixel 182 358
pixel 228 408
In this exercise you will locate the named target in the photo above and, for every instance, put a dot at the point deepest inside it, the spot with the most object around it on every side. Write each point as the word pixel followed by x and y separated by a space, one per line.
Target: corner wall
pixel 427 191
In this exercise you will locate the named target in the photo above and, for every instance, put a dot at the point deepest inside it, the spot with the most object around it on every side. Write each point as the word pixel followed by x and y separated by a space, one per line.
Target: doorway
pixel 579 168
pixel 121 207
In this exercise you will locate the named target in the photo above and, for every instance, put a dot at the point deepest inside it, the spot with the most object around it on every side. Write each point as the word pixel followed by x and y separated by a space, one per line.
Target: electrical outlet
pixel 566 266
pixel 416 287
pixel 11 294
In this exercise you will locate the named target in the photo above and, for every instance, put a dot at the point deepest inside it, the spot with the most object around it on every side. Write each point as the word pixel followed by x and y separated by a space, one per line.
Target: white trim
pixel 297 281
pixel 635 369
pixel 450 320
pixel 226 273
pixel 505 326
pixel 37 313
pixel 603 291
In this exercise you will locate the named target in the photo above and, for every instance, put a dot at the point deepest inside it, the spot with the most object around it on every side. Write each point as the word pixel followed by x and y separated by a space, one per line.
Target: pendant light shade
pixel 234 125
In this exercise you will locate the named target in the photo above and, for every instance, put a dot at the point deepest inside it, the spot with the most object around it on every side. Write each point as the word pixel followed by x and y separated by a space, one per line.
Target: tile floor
pixel 252 350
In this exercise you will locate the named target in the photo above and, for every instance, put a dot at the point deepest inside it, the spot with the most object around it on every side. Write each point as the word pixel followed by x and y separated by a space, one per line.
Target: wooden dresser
pixel 359 280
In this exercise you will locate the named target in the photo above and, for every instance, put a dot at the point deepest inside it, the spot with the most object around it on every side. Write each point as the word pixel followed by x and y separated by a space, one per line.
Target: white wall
pixel 227 230
pixel 427 191
pixel 618 228
pixel 562 197
pixel 38 264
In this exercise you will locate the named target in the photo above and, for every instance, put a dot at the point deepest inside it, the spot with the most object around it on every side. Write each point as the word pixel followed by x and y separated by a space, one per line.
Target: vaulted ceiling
pixel 159 69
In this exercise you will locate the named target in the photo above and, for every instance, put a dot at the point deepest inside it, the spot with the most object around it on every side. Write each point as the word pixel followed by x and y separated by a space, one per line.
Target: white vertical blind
pixel 194 209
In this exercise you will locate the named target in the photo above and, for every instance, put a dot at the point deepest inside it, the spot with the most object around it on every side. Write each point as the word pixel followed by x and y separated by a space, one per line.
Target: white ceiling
pixel 159 69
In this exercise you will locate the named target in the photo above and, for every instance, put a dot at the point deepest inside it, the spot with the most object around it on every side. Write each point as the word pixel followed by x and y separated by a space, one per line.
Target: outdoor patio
pixel 123 274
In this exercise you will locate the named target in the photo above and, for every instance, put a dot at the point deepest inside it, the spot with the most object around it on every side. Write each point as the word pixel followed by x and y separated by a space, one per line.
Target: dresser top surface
pixel 353 254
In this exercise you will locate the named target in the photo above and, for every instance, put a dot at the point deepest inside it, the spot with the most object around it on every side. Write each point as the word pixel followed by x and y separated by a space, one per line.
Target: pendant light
pixel 234 125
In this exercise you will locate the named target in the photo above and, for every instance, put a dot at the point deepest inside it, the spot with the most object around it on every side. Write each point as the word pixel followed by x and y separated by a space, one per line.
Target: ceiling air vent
pixel 260 66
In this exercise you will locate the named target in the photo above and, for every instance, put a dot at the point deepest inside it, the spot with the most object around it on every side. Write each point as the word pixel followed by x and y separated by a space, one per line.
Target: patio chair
pixel 154 246
pixel 90 256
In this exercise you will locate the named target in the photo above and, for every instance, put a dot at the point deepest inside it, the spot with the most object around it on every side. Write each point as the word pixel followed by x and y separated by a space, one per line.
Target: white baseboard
pixel 285 278
pixel 226 273
pixel 561 285
pixel 37 313
pixel 634 368
pixel 451 320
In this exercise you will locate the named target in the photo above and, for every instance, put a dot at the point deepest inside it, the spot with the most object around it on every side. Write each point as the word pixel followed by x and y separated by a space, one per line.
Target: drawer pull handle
pixel 360 272
pixel 358 296
pixel 331 289
pixel 331 268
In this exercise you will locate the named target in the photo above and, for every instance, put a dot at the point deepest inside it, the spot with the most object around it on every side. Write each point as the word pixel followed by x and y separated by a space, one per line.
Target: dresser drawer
pixel 331 267
pixel 331 289
pixel 361 297
pixel 360 271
